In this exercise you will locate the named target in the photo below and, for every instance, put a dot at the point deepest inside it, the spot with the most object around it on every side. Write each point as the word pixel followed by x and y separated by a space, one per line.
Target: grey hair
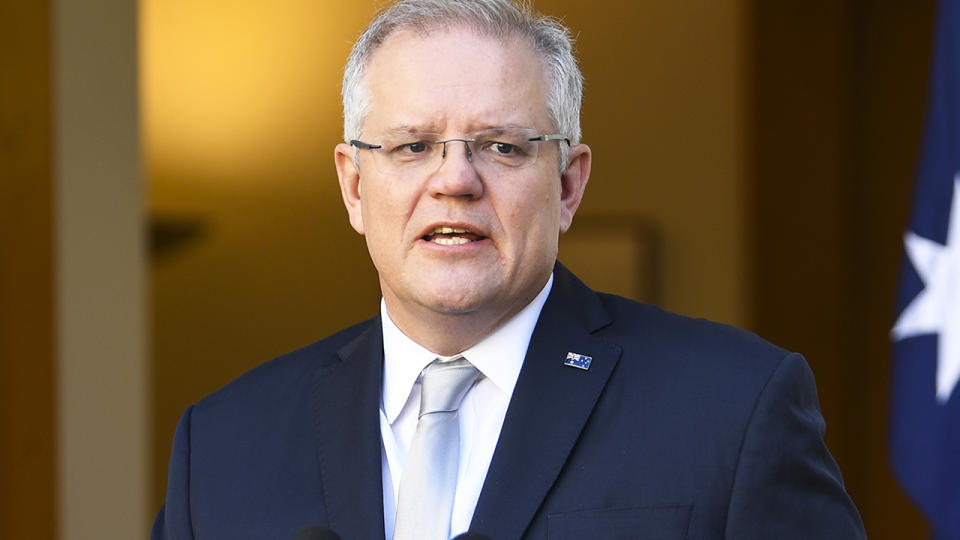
pixel 496 18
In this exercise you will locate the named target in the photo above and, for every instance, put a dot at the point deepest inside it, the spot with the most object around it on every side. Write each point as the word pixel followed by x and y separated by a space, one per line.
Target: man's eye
pixel 414 147
pixel 503 148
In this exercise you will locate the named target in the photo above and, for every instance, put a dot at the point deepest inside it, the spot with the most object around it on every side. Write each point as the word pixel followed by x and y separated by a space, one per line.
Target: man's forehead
pixel 422 81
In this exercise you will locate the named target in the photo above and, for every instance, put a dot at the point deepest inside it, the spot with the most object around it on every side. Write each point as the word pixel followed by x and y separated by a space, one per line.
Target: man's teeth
pixel 450 236
pixel 449 240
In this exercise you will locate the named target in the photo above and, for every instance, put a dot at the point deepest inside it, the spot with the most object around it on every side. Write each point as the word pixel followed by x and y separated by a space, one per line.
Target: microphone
pixel 315 533
pixel 471 536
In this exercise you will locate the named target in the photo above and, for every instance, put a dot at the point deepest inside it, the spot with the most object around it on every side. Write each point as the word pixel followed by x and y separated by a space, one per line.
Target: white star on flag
pixel 936 309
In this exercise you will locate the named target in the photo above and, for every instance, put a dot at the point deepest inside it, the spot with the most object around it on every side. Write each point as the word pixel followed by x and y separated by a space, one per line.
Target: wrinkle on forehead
pixel 435 129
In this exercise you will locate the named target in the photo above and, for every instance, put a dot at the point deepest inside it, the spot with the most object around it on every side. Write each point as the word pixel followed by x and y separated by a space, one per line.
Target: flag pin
pixel 578 361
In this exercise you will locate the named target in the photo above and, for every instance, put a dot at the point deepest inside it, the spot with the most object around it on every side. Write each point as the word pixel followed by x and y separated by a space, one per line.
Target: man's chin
pixel 454 303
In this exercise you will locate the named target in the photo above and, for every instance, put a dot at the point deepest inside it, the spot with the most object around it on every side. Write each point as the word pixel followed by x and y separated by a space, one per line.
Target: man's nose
pixel 456 176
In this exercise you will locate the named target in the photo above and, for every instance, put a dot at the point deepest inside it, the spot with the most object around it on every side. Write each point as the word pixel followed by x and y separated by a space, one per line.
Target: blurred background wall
pixel 767 148
pixel 74 393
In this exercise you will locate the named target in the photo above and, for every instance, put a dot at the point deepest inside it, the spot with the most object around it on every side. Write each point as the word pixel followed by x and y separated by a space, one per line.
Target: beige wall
pixel 664 110
pixel 101 348
pixel 239 122
pixel 73 392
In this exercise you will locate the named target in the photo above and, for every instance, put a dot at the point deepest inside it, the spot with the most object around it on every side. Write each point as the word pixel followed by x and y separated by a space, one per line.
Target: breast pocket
pixel 644 523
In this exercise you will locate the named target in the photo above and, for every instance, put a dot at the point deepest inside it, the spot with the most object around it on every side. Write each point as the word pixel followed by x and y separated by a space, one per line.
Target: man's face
pixel 452 83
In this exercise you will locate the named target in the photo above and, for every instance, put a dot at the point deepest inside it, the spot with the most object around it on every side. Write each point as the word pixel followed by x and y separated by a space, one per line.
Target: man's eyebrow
pixel 499 128
pixel 411 129
pixel 405 129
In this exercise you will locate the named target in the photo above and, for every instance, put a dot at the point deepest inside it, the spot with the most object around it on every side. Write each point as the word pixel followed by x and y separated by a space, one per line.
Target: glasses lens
pixel 407 154
pixel 507 148
pixel 501 149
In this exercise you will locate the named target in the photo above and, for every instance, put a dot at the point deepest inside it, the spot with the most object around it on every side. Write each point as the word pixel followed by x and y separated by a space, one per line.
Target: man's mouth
pixel 451 236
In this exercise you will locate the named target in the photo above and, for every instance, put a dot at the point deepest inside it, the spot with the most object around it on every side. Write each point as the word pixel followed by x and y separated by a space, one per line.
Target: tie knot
pixel 444 383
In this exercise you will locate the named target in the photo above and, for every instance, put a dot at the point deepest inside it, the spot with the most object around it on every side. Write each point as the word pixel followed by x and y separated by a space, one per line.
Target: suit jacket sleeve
pixel 786 483
pixel 173 521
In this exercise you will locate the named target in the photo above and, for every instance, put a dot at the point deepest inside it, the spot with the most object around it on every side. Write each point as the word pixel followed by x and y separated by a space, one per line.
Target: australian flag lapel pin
pixel 578 361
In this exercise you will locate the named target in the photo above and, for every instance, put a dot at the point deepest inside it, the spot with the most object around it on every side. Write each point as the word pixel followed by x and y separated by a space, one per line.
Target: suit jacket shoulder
pixel 271 381
pixel 678 427
pixel 248 460
pixel 654 330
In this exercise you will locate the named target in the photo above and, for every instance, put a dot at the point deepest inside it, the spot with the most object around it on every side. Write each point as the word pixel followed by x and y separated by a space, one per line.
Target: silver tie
pixel 429 477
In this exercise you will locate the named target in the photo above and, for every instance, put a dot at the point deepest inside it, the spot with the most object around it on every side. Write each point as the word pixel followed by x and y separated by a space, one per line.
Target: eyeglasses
pixel 491 150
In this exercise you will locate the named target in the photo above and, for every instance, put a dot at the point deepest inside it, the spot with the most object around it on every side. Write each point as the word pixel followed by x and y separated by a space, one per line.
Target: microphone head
pixel 471 536
pixel 315 533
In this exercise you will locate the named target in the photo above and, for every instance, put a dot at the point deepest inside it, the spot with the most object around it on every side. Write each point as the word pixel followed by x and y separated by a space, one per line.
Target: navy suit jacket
pixel 680 428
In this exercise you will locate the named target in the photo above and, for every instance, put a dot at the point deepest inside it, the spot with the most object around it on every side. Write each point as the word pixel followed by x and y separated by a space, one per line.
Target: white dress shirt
pixel 499 358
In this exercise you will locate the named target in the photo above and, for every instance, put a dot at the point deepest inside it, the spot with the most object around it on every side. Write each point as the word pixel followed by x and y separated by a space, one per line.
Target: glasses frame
pixel 360 145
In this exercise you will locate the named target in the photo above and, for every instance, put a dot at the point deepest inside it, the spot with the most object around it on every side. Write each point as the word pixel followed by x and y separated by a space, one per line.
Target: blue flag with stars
pixel 925 414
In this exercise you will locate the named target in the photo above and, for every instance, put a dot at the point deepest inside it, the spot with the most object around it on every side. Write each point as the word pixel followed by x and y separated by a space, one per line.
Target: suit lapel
pixel 550 405
pixel 347 417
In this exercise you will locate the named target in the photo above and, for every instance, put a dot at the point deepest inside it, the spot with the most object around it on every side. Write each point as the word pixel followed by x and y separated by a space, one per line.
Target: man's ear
pixel 349 176
pixel 573 180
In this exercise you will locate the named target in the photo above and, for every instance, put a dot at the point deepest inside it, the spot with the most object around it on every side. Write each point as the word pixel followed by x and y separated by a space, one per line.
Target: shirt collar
pixel 499 356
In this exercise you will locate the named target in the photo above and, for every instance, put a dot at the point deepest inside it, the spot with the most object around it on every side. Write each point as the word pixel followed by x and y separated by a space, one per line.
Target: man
pixel 565 413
